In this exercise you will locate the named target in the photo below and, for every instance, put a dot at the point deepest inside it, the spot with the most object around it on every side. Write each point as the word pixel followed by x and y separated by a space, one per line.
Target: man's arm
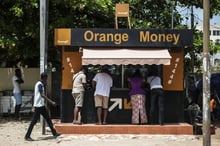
pixel 47 99
pixel 40 88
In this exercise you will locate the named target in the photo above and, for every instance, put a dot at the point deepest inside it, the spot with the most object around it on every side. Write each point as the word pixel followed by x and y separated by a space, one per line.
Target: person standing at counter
pixel 79 84
pixel 138 98
pixel 102 83
pixel 16 81
pixel 157 98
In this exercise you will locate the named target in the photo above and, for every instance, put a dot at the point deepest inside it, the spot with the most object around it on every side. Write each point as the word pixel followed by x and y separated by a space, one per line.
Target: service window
pixel 119 73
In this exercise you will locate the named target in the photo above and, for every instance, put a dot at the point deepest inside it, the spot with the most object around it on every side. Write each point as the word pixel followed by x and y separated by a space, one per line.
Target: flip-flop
pixel 104 123
pixel 76 123
pixel 98 123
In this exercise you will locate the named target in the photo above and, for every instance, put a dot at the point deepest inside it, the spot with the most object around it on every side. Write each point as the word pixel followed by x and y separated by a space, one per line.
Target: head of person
pixel 105 69
pixel 43 76
pixel 137 73
pixel 18 72
pixel 84 70
pixel 153 71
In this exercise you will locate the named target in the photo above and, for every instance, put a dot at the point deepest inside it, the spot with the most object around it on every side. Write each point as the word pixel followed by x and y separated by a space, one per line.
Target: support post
pixel 206 74
pixel 122 10
pixel 43 43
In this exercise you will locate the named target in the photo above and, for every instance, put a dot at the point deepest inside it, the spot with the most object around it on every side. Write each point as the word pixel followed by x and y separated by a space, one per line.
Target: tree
pixel 214 5
pixel 18 31
pixel 19 23
pixel 19 26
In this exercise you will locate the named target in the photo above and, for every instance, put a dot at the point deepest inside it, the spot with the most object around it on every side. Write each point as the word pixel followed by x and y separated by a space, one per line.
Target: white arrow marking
pixel 117 101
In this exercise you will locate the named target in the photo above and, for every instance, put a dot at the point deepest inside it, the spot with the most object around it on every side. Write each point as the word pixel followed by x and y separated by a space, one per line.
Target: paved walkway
pixel 12 133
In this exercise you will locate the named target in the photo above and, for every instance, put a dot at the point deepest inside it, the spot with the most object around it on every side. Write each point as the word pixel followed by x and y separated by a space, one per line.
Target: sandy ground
pixel 12 134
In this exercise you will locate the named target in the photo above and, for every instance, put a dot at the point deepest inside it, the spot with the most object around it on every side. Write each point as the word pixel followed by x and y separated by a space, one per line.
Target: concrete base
pixel 177 128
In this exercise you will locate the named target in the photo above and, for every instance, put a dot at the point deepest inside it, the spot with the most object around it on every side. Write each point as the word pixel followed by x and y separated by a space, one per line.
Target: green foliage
pixel 18 30
pixel 214 5
pixel 197 50
pixel 19 23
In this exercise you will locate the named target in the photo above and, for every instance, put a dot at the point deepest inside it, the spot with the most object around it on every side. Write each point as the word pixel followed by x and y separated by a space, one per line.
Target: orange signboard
pixel 72 62
pixel 122 10
pixel 173 74
pixel 62 37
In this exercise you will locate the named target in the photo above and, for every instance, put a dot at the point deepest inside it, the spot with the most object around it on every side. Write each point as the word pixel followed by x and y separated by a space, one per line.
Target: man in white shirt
pixel 102 82
pixel 39 107
pixel 16 81
pixel 79 84
pixel 157 98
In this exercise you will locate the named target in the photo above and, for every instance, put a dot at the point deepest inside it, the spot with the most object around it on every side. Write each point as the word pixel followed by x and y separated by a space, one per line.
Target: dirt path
pixel 12 134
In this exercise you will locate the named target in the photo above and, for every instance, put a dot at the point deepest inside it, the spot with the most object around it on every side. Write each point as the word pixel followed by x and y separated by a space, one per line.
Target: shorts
pixel 78 98
pixel 101 101
pixel 18 98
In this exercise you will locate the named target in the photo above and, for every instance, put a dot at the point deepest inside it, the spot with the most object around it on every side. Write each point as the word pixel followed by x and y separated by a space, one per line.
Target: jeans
pixel 157 104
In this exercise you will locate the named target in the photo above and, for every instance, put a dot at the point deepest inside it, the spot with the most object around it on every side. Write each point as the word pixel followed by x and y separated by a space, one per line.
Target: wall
pixel 30 76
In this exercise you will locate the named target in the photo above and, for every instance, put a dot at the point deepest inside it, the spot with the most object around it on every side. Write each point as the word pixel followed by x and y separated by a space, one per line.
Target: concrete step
pixel 177 128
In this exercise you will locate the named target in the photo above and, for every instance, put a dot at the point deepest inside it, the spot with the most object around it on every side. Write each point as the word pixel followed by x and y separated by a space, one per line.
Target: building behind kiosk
pixel 123 50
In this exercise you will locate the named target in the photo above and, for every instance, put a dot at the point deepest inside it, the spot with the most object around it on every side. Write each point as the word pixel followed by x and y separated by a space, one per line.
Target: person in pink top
pixel 138 98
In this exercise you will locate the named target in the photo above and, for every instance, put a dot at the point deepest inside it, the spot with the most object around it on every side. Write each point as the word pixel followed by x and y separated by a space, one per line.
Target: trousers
pixel 37 112
pixel 157 104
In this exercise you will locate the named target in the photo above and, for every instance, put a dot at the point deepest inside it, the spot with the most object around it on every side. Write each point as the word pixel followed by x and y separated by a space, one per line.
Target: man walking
pixel 39 107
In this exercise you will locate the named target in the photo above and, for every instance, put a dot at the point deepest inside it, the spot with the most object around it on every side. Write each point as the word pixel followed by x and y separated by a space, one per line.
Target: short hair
pixel 137 73
pixel 84 69
pixel 17 70
pixel 104 69
pixel 153 73
pixel 43 75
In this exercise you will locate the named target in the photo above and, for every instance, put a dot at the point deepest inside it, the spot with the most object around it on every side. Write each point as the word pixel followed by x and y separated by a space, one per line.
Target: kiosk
pixel 123 50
